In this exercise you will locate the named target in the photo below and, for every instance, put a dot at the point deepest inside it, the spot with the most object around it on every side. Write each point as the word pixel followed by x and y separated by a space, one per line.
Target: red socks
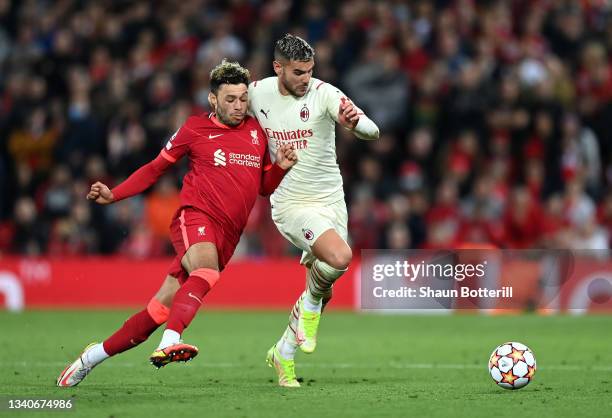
pixel 189 297
pixel 186 303
pixel 137 328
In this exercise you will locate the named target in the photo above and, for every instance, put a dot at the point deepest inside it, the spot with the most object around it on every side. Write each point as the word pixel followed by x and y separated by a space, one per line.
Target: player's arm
pixel 349 116
pixel 273 173
pixel 250 109
pixel 146 175
pixel 138 182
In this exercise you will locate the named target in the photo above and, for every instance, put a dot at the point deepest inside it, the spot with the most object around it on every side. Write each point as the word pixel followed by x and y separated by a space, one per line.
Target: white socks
pixel 312 304
pixel 287 346
pixel 94 356
pixel 169 338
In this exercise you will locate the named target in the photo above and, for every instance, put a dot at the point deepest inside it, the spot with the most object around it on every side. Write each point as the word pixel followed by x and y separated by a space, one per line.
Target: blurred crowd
pixel 494 116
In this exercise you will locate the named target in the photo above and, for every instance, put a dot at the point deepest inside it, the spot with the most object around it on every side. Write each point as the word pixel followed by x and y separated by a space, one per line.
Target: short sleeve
pixel 178 144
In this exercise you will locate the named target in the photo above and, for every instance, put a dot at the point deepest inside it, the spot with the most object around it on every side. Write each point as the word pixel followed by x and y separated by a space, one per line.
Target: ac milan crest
pixel 304 113
pixel 308 234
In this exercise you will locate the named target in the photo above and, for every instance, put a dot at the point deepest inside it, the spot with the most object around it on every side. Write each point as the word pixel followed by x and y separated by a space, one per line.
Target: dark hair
pixel 291 47
pixel 228 73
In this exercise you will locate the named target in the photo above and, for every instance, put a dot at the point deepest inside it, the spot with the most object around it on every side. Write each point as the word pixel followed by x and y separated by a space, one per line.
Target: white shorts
pixel 302 224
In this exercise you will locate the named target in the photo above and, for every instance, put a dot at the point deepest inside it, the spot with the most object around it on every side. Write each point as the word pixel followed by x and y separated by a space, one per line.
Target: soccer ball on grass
pixel 512 365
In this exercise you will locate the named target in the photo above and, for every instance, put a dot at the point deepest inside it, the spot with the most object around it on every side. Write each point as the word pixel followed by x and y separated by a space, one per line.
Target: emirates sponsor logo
pixel 219 157
pixel 289 135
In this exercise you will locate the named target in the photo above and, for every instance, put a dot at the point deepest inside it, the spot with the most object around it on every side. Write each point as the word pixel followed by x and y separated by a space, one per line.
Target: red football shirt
pixel 225 167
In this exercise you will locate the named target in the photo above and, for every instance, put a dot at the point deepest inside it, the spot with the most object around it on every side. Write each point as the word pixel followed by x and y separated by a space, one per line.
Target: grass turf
pixel 365 365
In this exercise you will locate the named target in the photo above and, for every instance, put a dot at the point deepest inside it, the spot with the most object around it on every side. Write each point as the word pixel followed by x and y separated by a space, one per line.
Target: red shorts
pixel 190 226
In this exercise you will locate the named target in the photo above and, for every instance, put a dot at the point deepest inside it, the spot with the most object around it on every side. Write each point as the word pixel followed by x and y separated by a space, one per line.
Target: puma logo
pixel 265 113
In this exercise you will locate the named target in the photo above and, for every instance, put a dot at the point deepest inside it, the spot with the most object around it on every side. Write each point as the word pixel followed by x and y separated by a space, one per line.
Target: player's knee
pixel 202 255
pixel 340 258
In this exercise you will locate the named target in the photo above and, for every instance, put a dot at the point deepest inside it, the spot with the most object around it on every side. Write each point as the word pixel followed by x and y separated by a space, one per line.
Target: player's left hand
pixel 348 114
pixel 286 157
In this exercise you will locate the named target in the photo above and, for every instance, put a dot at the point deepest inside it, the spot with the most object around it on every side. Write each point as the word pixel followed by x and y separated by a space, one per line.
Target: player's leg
pixel 281 355
pixel 141 325
pixel 134 331
pixel 330 256
pixel 303 227
pixel 294 224
pixel 201 263
pixel 326 257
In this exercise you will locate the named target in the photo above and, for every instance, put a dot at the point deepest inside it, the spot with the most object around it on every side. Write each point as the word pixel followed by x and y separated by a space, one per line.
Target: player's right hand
pixel 286 156
pixel 100 193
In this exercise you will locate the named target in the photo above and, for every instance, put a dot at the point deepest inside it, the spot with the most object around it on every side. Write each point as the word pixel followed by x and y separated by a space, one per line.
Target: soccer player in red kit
pixel 229 165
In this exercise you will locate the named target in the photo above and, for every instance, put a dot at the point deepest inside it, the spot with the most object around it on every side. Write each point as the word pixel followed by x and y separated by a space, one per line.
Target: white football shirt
pixel 308 123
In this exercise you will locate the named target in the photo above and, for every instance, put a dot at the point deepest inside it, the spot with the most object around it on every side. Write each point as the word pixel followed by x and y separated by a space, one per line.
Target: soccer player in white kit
pixel 308 206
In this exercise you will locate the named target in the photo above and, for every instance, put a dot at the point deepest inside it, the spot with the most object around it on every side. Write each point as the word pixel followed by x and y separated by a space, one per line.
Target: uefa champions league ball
pixel 512 365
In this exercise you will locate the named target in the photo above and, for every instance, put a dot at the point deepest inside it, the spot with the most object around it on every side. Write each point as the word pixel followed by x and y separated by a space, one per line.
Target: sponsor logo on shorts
pixel 308 234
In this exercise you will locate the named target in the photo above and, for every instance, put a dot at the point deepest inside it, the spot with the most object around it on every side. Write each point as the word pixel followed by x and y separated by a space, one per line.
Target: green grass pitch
pixel 364 366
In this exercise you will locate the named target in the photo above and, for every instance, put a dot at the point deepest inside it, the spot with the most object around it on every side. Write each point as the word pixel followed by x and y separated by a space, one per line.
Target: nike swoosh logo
pixel 191 295
pixel 211 136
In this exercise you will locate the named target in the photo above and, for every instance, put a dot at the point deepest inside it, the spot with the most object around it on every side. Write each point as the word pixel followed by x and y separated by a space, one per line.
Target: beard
pixel 225 119
pixel 293 91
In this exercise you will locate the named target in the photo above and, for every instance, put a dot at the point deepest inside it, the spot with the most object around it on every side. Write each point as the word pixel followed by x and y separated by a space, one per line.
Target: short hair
pixel 291 47
pixel 228 73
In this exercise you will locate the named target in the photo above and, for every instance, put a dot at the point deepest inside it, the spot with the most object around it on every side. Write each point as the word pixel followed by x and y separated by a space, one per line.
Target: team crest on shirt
pixel 308 234
pixel 254 139
pixel 304 113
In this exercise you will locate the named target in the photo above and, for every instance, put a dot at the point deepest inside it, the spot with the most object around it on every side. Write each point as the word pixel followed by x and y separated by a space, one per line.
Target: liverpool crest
pixel 254 139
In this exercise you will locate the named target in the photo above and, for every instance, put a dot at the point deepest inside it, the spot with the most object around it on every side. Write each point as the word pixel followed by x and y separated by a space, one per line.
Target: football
pixel 512 365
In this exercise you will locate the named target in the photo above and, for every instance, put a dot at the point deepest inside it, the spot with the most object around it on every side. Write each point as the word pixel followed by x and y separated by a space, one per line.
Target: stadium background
pixel 494 120
pixel 495 129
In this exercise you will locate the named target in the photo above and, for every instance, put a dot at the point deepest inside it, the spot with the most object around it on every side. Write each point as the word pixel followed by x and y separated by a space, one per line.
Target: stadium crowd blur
pixel 495 117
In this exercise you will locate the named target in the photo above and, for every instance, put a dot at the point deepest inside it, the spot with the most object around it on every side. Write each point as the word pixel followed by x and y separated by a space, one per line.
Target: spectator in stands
pixel 508 101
